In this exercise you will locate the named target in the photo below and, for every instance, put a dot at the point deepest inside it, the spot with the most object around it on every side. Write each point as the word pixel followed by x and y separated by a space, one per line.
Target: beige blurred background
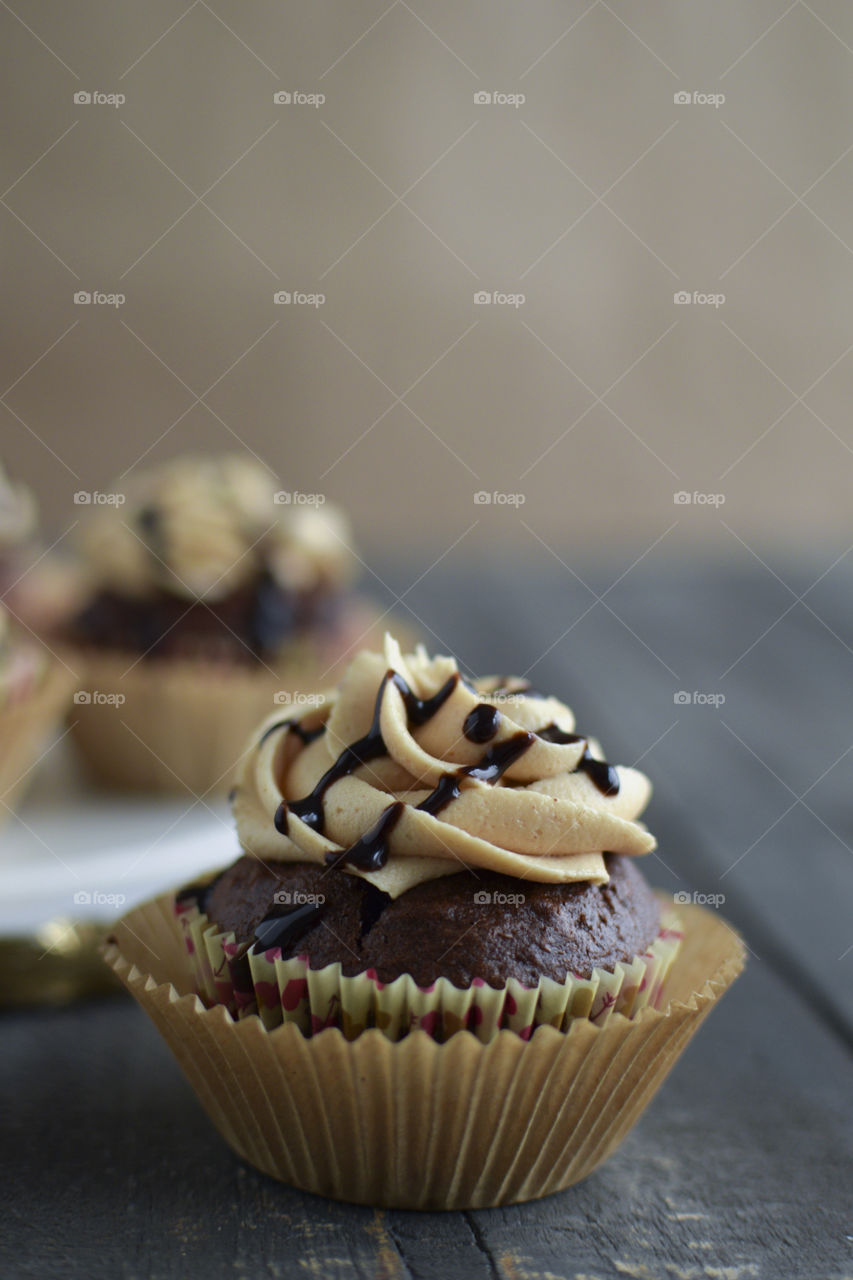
pixel 599 198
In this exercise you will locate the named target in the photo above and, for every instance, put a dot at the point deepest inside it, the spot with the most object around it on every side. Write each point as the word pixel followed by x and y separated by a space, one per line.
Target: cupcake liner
pixel 414 1123
pixel 288 990
pixel 24 727
pixel 182 724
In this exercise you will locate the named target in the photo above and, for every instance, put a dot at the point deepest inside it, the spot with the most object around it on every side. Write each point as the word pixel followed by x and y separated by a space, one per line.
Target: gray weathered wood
pixel 740 1168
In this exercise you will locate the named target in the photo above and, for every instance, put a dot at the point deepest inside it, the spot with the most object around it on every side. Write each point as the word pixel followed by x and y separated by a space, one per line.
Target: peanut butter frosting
pixel 205 526
pixel 408 772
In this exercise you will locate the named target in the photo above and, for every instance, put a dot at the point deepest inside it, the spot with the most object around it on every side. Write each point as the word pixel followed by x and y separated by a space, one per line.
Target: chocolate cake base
pixel 249 624
pixel 459 927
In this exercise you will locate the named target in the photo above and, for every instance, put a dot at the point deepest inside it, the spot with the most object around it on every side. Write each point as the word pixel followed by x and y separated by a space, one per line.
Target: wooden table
pixel 742 1166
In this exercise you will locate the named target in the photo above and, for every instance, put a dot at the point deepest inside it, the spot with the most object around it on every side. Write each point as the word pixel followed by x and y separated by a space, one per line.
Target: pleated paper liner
pixel 247 982
pixel 414 1123
pixel 25 727
pixel 182 724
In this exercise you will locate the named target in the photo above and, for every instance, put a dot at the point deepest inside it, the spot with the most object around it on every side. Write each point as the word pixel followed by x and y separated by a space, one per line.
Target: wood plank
pixel 724 816
pixel 742 1162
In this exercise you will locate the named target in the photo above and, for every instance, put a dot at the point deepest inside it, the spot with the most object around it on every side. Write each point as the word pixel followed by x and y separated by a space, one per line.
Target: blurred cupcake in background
pixel 35 690
pixel 38 585
pixel 211 598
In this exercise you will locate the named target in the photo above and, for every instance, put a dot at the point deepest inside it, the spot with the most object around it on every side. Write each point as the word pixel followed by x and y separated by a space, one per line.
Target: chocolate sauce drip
pixel 553 733
pixel 305 736
pixel 497 760
pixel 445 790
pixel 599 772
pixel 280 819
pixel 419 710
pixel 489 768
pixel 482 723
pixel 284 926
pixel 371 746
pixel 370 851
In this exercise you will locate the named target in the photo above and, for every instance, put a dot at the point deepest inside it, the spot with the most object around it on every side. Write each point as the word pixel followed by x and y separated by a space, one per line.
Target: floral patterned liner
pixel 279 990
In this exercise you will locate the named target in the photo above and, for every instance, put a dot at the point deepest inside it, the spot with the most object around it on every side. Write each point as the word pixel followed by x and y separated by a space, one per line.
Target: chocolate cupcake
pixel 434 846
pixel 211 597
pixel 435 977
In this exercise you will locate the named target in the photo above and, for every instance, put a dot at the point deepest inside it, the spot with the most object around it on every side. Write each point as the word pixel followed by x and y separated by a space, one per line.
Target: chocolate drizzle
pixel 489 768
pixel 482 723
pixel 600 773
pixel 370 851
pixel 284 926
pixel 305 736
pixel 370 747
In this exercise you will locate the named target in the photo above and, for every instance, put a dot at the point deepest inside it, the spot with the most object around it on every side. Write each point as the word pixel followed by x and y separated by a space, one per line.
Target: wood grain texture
pixel 740 1169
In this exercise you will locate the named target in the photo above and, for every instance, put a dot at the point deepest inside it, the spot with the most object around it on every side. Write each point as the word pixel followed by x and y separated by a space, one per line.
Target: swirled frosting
pixel 204 526
pixel 408 772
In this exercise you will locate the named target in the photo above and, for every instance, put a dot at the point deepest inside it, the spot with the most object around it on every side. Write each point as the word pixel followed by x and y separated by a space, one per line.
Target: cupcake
pixel 35 690
pixel 40 585
pixel 435 977
pixel 211 598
